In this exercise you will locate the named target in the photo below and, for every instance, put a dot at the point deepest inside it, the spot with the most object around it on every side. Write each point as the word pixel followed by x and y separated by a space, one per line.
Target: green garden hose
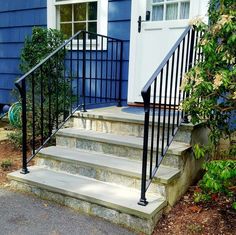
pixel 14 115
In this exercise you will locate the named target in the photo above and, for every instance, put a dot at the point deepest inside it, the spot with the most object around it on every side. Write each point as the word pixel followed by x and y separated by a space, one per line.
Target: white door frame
pixel 137 9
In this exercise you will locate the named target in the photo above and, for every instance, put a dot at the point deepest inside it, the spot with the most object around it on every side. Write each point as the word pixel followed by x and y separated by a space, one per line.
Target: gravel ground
pixel 24 214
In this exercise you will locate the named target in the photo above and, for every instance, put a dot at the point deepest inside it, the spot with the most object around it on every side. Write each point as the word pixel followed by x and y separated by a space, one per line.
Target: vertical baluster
pixel 164 114
pixel 153 127
pixel 112 48
pixel 199 48
pixel 181 77
pixel 90 72
pixel 96 69
pixel 116 69
pixel 71 77
pixel 176 84
pixel 33 112
pixel 58 77
pixel 171 88
pixel 42 108
pixel 159 120
pixel 84 73
pixel 64 86
pixel 49 99
pixel 101 81
pixel 106 77
pixel 121 72
pixel 77 77
pixel 196 45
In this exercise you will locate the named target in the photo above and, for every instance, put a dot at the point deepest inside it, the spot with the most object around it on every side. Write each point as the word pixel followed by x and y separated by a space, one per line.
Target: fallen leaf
pixel 195 209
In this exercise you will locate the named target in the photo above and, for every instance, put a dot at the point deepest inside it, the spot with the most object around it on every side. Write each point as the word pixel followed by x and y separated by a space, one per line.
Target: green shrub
pixel 213 83
pixel 6 165
pixel 47 82
pixel 220 178
pixel 15 138
pixel 214 79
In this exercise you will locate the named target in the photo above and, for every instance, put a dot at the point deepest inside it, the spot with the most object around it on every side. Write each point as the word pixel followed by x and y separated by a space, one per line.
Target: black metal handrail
pixel 85 70
pixel 163 95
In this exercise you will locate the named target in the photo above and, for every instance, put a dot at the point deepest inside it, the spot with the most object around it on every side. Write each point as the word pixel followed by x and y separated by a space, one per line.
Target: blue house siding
pixel 119 16
pixel 19 16
pixel 16 21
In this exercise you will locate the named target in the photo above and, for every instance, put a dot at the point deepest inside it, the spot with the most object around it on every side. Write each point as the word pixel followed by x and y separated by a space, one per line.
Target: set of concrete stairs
pixel 95 168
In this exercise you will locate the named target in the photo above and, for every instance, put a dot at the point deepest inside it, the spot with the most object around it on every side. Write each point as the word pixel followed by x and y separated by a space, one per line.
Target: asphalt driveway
pixel 22 214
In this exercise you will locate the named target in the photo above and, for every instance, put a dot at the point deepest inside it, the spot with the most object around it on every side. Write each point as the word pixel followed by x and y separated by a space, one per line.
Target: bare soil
pixel 185 218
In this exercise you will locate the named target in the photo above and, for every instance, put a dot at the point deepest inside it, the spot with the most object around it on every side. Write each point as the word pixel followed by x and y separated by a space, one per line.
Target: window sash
pixel 73 21
pixel 160 9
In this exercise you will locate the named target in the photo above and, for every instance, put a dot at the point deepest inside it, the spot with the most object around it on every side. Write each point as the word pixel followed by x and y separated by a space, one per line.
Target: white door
pixel 168 19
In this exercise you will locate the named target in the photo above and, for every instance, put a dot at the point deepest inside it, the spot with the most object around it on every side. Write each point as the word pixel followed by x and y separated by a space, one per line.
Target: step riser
pixel 127 128
pixel 138 224
pixel 113 149
pixel 98 173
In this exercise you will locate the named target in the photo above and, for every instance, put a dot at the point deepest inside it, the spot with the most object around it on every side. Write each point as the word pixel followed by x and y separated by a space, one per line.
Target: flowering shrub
pixel 212 87
pixel 214 78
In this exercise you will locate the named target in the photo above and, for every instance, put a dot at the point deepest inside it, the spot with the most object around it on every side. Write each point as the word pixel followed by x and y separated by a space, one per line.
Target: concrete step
pixel 122 146
pixel 103 167
pixel 115 120
pixel 114 203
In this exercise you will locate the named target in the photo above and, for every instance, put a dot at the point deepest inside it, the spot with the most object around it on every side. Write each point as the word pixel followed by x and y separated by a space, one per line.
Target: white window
pixel 169 9
pixel 71 16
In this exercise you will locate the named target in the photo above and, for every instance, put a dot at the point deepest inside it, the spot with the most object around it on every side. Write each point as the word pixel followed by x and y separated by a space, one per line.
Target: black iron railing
pixel 85 70
pixel 162 96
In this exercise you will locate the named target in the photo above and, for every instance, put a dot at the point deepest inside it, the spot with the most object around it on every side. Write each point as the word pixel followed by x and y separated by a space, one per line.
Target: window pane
pixel 155 1
pixel 157 12
pixel 80 11
pixel 67 30
pixel 92 11
pixel 184 10
pixel 66 13
pixel 79 26
pixel 172 11
pixel 92 27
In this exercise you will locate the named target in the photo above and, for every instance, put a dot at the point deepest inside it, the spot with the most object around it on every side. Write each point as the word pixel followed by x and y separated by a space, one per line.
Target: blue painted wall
pixel 17 18
pixel 16 21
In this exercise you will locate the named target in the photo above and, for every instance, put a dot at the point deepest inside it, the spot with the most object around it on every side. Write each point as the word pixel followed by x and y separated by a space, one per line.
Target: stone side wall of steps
pixel 95 168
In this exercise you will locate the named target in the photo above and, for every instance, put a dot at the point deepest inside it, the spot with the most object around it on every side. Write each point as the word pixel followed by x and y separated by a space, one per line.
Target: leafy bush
pixel 47 82
pixel 6 165
pixel 213 83
pixel 220 178
pixel 15 138
pixel 214 79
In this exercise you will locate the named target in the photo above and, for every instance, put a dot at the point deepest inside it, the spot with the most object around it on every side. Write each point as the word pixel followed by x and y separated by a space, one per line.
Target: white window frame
pixel 150 4
pixel 102 15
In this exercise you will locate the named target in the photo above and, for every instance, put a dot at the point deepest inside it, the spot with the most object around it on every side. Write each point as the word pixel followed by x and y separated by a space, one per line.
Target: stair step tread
pixel 121 114
pixel 115 164
pixel 130 141
pixel 106 194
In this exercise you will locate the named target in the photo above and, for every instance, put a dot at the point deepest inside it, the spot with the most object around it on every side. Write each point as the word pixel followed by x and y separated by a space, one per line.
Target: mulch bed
pixel 8 152
pixel 186 217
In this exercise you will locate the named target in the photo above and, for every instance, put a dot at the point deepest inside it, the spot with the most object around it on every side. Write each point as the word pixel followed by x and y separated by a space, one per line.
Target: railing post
pixel 146 99
pixel 121 71
pixel 84 73
pixel 22 91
